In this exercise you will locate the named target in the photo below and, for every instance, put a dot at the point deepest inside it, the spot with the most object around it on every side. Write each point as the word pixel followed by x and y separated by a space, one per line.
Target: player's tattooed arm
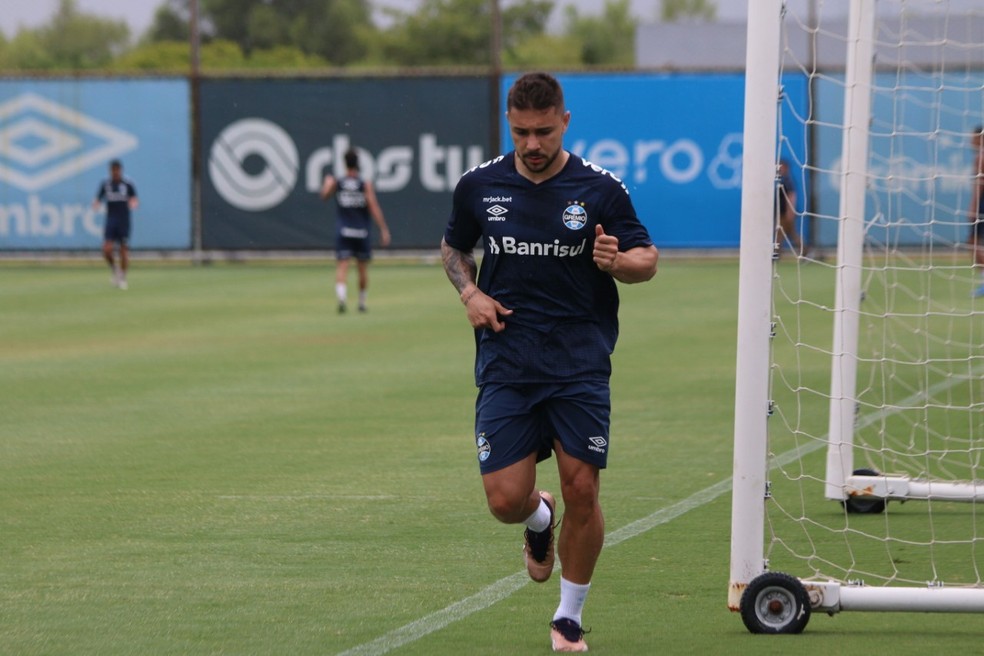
pixel 459 266
pixel 483 311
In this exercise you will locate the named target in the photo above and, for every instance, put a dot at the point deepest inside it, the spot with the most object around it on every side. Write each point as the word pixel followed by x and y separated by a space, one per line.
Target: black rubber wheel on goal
pixel 775 603
pixel 864 506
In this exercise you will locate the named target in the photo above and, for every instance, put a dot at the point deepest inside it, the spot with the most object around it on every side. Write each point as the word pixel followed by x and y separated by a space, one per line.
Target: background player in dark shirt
pixel 976 212
pixel 356 200
pixel 786 231
pixel 557 231
pixel 120 196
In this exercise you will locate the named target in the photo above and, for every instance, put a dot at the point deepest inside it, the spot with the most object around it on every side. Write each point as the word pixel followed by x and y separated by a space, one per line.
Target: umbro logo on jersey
pixel 496 213
pixel 598 443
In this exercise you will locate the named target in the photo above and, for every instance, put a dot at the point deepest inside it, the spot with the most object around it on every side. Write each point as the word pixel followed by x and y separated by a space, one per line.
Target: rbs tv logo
pixel 254 164
pixel 253 137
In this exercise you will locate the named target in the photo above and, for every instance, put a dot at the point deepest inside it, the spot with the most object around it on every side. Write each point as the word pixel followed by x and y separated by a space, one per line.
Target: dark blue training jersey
pixel 784 188
pixel 538 241
pixel 117 197
pixel 353 209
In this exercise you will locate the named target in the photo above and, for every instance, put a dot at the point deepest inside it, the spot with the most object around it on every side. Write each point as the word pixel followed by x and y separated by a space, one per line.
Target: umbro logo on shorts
pixel 598 443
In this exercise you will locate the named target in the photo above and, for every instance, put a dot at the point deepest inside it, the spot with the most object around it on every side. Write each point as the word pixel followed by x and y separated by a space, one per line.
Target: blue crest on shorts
pixel 575 217
pixel 484 448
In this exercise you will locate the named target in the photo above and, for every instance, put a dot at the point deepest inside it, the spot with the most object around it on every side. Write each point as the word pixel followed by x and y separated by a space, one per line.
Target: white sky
pixel 139 14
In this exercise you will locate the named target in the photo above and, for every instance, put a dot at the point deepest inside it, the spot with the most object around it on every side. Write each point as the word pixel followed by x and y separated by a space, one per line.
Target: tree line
pixel 319 34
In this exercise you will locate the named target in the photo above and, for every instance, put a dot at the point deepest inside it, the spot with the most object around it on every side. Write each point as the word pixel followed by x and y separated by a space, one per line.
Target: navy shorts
pixel 358 247
pixel 515 420
pixel 117 230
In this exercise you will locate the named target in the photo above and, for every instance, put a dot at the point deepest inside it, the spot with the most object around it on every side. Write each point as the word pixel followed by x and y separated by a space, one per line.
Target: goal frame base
pixel 833 597
pixel 900 487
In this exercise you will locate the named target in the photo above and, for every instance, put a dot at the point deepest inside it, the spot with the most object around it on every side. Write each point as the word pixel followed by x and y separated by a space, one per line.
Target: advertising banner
pixel 676 143
pixel 920 159
pixel 57 138
pixel 268 145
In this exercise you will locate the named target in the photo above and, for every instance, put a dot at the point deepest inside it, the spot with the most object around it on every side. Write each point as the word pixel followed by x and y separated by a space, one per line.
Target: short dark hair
pixel 535 91
pixel 116 164
pixel 352 158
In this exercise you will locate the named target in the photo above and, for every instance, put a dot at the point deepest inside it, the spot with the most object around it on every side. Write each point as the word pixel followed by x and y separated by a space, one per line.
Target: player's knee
pixel 506 507
pixel 580 494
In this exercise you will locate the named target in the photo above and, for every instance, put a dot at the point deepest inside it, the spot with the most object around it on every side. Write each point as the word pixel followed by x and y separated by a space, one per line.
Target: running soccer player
pixel 976 213
pixel 120 196
pixel 356 200
pixel 557 231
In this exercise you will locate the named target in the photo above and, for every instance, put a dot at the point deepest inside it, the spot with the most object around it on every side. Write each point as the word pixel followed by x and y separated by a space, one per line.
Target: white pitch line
pixel 308 497
pixel 438 620
pixel 505 587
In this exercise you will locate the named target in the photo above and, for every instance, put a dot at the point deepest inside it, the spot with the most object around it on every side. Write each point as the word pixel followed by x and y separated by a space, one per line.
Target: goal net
pixel 860 380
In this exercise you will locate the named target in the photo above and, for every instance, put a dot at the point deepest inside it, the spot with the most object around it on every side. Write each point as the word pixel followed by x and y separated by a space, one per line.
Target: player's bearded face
pixel 538 137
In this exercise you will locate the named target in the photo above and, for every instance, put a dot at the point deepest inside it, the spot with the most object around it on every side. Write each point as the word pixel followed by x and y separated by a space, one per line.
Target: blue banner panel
pixel 920 159
pixel 57 138
pixel 268 145
pixel 675 141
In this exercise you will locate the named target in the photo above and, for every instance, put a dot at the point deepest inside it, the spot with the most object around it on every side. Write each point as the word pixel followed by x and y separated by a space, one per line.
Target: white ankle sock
pixel 341 292
pixel 572 597
pixel 539 520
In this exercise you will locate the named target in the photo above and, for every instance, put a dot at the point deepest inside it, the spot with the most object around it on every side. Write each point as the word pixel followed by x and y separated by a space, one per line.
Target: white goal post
pixel 907 349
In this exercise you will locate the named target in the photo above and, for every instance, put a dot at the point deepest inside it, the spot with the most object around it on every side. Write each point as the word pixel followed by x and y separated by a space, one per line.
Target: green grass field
pixel 215 462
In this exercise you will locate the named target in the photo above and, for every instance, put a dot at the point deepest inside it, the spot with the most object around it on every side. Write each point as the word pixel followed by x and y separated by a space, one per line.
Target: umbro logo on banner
pixel 43 142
